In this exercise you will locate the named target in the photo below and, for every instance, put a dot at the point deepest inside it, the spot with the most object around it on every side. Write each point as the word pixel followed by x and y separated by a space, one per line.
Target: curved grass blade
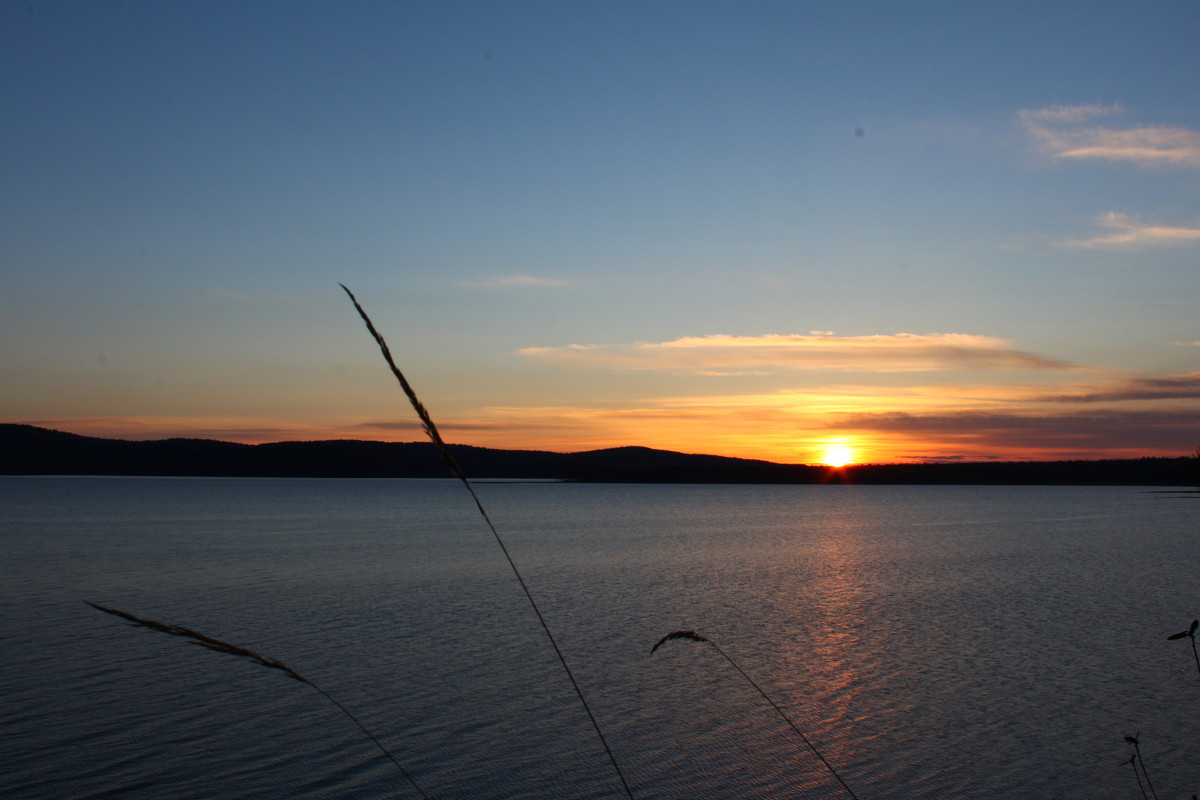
pixel 692 636
pixel 434 436
pixel 219 646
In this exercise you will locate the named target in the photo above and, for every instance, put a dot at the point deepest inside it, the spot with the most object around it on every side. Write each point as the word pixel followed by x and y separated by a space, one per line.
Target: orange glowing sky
pixel 795 233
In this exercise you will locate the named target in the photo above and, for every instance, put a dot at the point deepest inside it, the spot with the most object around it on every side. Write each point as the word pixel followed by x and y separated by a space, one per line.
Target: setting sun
pixel 838 455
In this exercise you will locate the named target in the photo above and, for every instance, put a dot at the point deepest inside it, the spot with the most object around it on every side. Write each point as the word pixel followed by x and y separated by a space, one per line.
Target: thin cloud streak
pixel 243 431
pixel 1068 115
pixel 516 280
pixel 1113 433
pixel 723 354
pixel 1129 231
pixel 1060 132
pixel 274 298
pixel 1177 387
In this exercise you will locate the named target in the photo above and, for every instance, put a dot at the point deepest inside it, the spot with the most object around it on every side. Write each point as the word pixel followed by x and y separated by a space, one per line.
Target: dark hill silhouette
pixel 30 450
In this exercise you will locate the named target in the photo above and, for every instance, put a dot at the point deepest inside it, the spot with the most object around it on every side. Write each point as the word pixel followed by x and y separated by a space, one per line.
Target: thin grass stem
pixel 695 637
pixel 434 436
pixel 1133 762
pixel 1137 753
pixel 219 646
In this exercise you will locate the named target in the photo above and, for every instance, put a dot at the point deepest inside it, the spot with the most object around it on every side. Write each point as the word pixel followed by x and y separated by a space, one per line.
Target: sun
pixel 838 455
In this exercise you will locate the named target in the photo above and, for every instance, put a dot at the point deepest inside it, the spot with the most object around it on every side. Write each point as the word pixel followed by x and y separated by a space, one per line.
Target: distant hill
pixel 30 450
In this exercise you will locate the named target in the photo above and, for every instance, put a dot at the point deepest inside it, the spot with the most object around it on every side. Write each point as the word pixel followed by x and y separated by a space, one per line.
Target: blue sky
pixel 919 231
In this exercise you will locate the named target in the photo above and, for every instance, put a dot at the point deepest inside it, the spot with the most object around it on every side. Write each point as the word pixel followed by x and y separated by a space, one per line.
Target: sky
pixel 800 232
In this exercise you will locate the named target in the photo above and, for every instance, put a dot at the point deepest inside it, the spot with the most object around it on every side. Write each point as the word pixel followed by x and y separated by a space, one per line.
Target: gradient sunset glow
pixel 834 235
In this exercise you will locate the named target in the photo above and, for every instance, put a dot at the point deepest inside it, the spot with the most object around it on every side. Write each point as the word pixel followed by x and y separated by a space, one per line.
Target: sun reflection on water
pixel 822 671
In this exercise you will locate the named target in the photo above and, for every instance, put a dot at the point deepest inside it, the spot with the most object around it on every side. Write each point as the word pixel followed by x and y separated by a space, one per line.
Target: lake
pixel 931 641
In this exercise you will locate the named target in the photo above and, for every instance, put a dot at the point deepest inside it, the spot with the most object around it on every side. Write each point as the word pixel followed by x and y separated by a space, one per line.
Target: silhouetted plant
pixel 692 636
pixel 1190 633
pixel 434 436
pixel 1137 757
pixel 219 646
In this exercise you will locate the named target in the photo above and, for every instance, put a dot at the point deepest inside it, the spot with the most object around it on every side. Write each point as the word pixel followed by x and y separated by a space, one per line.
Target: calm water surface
pixel 935 642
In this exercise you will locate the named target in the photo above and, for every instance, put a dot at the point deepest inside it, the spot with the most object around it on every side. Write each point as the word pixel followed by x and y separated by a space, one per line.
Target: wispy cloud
pixel 722 354
pixel 1125 230
pixel 391 426
pixel 1173 387
pixel 1065 132
pixel 517 279
pixel 417 430
pixel 237 296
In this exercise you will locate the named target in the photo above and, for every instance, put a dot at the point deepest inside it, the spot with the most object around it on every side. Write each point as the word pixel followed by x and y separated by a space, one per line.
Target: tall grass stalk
pixel 434 436
pixel 692 636
pixel 219 646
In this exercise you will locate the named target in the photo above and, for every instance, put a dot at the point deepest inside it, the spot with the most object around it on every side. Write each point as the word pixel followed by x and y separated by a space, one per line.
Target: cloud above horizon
pixel 721 354
pixel 1127 416
pixel 1129 231
pixel 986 422
pixel 1064 132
